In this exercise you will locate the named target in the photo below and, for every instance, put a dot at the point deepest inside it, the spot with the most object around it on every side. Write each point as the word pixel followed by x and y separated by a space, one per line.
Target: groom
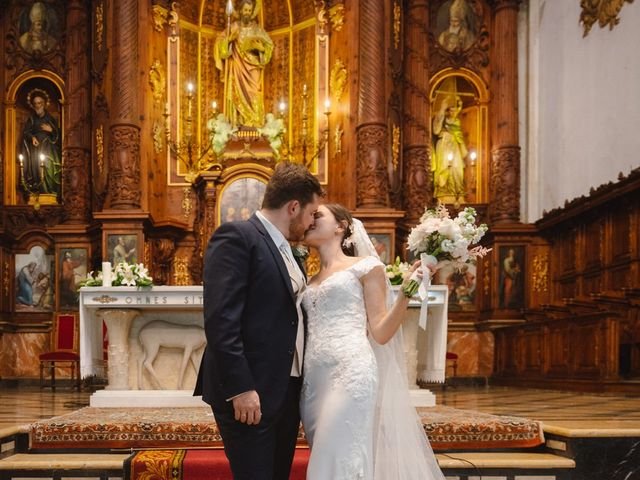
pixel 250 371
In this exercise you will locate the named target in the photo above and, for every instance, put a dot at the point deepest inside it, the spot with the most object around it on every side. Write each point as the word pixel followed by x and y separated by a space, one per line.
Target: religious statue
pixel 36 38
pixel 450 152
pixel 40 159
pixel 459 36
pixel 241 54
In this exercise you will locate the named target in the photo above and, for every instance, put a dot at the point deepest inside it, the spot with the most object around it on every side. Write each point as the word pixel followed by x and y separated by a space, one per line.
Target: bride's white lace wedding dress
pixel 356 428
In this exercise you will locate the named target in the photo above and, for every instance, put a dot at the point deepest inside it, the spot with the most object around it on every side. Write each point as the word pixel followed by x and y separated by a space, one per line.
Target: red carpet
pixel 194 465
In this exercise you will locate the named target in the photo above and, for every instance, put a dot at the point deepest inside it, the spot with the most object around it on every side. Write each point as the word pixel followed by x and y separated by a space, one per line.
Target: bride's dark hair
pixel 343 217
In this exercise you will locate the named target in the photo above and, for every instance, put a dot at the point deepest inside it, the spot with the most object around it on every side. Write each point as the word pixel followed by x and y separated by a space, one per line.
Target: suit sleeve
pixel 226 279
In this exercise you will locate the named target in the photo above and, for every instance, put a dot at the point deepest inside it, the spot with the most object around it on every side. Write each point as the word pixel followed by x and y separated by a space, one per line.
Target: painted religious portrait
pixel 39 28
pixel 72 270
pixel 240 199
pixel 461 283
pixel 511 277
pixel 34 285
pixel 382 244
pixel 122 247
pixel 38 116
pixel 456 25
pixel 455 127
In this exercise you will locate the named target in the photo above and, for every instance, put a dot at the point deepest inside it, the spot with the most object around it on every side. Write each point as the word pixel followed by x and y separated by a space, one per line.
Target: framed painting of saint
pixel 34 281
pixel 511 268
pixel 121 247
pixel 72 269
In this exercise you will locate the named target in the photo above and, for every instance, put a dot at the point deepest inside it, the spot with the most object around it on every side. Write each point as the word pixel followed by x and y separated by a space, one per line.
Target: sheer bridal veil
pixel 401 450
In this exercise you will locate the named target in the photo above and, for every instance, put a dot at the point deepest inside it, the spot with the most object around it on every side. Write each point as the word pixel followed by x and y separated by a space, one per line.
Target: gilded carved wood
pixel 605 12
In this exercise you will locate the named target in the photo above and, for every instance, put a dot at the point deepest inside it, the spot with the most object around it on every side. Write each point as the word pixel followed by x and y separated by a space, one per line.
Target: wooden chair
pixel 64 353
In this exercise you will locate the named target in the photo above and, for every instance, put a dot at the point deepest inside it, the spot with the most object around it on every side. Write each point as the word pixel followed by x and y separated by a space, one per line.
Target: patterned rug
pixel 106 428
pixel 194 465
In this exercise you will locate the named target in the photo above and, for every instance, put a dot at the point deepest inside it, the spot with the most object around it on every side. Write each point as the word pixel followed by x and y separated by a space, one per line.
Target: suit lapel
pixel 277 256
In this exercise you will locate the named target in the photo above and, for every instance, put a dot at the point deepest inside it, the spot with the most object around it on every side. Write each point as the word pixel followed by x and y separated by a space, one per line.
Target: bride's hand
pixel 415 272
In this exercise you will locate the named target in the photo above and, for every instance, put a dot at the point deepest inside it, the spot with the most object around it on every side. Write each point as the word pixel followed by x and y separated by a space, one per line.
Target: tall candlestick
pixel 327 106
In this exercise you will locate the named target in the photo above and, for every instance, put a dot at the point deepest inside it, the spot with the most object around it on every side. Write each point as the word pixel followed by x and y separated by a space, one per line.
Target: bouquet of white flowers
pixel 125 275
pixel 439 237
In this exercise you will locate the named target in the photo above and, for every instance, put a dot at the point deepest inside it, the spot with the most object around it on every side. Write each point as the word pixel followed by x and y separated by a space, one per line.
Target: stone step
pixel 456 466
pixel 98 466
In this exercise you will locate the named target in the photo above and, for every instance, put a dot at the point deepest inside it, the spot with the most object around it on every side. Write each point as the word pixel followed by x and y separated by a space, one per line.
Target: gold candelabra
pixel 309 150
pixel 35 187
pixel 194 155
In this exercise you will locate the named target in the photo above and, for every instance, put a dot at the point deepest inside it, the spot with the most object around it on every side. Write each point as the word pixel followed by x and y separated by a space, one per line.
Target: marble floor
pixel 568 413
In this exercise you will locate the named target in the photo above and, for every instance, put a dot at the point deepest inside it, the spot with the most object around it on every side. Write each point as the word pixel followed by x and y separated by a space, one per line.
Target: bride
pixel 355 404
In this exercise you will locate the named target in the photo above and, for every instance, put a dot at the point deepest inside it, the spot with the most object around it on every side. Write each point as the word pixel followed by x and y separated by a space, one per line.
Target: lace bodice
pixel 337 326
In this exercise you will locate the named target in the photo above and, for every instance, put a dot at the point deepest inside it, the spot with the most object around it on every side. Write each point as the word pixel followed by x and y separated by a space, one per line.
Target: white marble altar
pixel 128 310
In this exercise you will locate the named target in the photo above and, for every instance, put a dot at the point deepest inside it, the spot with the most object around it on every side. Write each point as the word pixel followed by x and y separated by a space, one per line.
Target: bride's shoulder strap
pixel 365 265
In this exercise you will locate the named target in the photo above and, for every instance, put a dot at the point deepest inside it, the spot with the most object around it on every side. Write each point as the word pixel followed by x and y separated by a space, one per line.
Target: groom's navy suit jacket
pixel 249 316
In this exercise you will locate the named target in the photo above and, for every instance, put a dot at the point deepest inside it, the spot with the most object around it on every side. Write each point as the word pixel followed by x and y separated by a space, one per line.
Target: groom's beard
pixel 297 229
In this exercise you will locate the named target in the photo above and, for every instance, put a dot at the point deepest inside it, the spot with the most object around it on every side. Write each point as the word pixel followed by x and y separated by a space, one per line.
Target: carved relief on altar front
pixel 165 353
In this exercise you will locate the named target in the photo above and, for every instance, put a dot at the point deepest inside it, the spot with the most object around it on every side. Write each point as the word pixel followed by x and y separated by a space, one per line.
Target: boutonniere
pixel 300 252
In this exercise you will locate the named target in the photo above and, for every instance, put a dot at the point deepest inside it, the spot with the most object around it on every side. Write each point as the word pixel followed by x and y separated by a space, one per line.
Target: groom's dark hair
pixel 290 181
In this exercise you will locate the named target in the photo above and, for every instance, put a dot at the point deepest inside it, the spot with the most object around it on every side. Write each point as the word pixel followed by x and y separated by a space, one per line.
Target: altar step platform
pixel 162 443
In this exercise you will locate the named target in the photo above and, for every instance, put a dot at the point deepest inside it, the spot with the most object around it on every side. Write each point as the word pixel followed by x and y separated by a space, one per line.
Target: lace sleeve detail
pixel 365 265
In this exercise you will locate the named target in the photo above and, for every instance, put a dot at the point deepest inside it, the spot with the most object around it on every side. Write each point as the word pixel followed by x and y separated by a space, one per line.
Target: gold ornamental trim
pixel 336 14
pixel 397 16
pixel 605 12
pixel 99 25
pixel 100 148
pixel 160 15
pixel 395 147
pixel 540 272
pixel 338 79
pixel 104 299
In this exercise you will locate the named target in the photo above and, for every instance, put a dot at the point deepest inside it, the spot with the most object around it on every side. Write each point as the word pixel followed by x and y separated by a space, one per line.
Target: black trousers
pixel 264 451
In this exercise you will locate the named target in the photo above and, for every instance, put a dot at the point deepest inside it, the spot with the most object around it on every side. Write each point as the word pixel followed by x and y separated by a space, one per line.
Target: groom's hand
pixel 247 408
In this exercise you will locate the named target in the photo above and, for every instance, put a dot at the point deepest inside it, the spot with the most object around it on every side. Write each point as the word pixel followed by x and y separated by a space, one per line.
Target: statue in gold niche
pixel 450 152
pixel 241 53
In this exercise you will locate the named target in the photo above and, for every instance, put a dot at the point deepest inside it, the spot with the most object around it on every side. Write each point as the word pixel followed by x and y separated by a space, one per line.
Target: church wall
pixel 581 103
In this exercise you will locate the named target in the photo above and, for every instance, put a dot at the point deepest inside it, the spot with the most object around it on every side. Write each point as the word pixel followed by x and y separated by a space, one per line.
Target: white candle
pixel 106 274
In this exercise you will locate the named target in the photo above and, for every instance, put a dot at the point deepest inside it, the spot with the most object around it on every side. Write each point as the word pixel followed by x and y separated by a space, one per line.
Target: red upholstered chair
pixel 64 352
